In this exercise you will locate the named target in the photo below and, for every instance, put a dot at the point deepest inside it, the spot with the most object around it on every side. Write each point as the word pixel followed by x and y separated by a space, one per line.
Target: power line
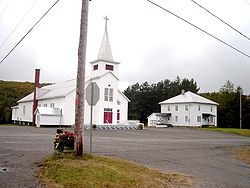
pixel 29 31
pixel 18 23
pixel 6 5
pixel 220 19
pixel 234 48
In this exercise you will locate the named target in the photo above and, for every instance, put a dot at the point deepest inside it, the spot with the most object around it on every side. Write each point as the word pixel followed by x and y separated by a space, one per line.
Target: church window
pixel 111 92
pixel 23 110
pixel 109 67
pixel 95 67
pixel 118 102
pixel 106 94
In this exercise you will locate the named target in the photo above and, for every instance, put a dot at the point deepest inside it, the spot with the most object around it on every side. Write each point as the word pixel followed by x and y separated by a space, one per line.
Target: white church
pixel 55 104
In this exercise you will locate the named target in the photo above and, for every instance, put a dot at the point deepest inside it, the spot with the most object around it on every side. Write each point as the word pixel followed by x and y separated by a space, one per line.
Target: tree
pixel 228 87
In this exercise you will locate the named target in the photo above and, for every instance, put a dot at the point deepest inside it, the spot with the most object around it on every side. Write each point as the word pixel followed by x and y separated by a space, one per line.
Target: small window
pixel 186 107
pixel 107 109
pixel 45 105
pixel 199 107
pixel 198 118
pixel 212 119
pixel 186 118
pixel 52 105
pixel 168 108
pixel 110 67
pixel 95 67
pixel 118 102
pixel 168 118
pixel 176 118
pixel 176 107
pixel 211 108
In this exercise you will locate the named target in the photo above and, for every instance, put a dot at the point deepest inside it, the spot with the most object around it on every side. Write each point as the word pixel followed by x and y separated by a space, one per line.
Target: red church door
pixel 108 115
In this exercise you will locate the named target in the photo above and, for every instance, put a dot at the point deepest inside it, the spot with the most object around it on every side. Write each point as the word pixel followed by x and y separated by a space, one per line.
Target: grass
pixel 242 153
pixel 242 132
pixel 7 125
pixel 67 170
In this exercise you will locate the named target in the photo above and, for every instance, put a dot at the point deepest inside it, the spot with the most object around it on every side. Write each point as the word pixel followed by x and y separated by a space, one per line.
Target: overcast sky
pixel 151 44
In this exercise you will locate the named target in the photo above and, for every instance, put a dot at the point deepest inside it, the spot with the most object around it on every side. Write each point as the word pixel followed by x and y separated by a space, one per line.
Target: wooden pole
pixel 80 86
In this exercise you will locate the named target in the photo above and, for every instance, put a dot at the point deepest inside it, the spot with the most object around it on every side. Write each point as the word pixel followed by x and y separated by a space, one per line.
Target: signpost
pixel 92 97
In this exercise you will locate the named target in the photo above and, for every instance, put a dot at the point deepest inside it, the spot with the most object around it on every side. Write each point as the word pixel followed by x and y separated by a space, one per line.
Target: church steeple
pixel 105 52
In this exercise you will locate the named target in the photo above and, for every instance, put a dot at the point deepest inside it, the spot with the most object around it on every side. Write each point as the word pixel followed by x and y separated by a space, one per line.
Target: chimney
pixel 36 85
pixel 183 92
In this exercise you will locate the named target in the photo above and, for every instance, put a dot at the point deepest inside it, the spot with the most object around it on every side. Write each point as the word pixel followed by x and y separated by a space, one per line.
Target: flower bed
pixel 63 139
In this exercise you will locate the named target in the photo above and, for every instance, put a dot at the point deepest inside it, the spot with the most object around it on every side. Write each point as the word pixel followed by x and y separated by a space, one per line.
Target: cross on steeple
pixel 106 22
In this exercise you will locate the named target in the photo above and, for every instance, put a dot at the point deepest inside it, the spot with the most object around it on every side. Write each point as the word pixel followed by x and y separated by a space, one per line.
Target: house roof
pixel 188 97
pixel 48 111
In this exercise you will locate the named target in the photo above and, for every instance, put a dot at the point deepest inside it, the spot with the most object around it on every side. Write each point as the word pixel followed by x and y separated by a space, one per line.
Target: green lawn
pixel 7 125
pixel 243 132
pixel 67 170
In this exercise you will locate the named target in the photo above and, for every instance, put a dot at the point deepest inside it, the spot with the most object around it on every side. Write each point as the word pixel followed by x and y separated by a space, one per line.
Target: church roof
pixel 105 52
pixel 188 97
pixel 48 111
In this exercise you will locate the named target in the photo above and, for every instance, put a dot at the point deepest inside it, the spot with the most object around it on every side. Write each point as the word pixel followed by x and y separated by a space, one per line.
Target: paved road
pixel 202 154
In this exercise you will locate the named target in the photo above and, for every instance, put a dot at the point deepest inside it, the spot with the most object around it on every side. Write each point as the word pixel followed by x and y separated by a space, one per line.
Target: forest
pixel 145 98
pixel 10 93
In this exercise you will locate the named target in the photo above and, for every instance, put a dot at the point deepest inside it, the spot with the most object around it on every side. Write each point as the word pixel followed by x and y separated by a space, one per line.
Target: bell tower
pixel 104 62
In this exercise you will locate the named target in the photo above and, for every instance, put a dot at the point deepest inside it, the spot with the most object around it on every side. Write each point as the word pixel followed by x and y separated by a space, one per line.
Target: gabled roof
pixel 60 89
pixel 48 111
pixel 188 97
pixel 122 94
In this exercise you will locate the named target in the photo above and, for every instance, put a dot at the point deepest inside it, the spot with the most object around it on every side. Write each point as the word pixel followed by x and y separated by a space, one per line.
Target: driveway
pixel 202 154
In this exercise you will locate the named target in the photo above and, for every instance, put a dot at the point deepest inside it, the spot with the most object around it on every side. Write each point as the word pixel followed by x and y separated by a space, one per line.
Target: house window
pixel 168 108
pixel 199 107
pixel 52 105
pixel 186 107
pixel 110 67
pixel 186 118
pixel 211 108
pixel 39 105
pixel 95 67
pixel 176 107
pixel 109 94
pixel 168 118
pixel 198 118
pixel 23 110
pixel 45 105
pixel 176 118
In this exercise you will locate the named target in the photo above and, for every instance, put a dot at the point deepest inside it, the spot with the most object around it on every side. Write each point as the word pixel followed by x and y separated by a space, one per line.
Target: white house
pixel 186 109
pixel 56 103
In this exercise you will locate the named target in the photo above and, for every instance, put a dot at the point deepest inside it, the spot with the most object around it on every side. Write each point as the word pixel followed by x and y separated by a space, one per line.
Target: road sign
pixel 92 93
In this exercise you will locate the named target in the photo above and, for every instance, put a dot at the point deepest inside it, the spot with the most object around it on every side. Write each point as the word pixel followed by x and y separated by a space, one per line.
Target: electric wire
pixel 5 7
pixel 220 19
pixel 234 48
pixel 21 20
pixel 29 31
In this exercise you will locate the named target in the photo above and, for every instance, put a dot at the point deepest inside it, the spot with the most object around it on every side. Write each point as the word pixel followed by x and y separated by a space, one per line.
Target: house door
pixel 108 115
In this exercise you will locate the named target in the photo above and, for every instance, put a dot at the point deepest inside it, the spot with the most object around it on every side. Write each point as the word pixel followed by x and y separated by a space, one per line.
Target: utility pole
pixel 240 112
pixel 80 86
